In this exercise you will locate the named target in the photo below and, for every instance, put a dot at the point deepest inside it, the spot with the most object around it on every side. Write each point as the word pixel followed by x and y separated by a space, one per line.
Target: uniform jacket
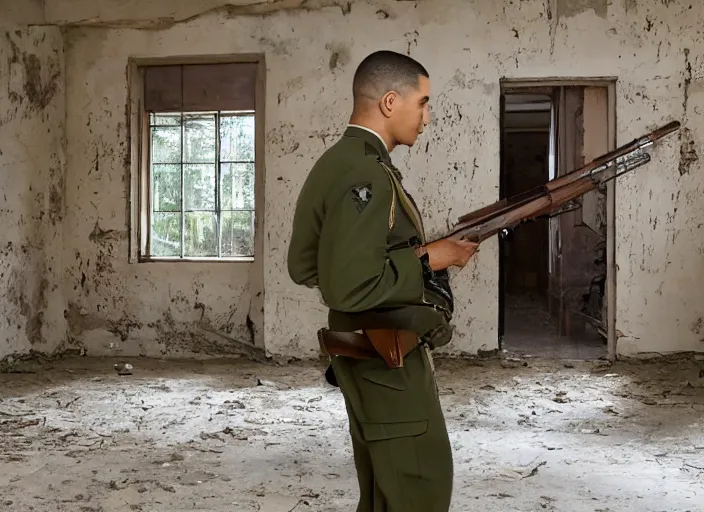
pixel 353 237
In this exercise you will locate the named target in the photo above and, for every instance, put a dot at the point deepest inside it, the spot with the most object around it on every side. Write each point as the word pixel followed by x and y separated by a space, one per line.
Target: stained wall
pixel 31 188
pixel 653 47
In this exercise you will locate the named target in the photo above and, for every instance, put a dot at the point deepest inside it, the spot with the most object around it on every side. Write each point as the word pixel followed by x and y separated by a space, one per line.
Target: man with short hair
pixel 358 237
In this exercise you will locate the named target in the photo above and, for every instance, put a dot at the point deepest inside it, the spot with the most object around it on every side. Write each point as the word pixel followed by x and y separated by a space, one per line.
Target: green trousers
pixel 399 438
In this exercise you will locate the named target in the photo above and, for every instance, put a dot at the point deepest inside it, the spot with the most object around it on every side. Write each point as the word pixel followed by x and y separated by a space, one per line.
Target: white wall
pixel 31 189
pixel 115 307
pixel 311 54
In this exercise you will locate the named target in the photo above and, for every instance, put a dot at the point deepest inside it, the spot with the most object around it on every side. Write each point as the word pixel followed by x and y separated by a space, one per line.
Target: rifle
pixel 551 198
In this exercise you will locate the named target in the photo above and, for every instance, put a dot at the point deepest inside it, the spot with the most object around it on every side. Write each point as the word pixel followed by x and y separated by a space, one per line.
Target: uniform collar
pixel 372 138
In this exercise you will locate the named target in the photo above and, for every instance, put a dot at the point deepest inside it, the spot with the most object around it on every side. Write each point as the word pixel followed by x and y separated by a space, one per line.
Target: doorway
pixel 555 286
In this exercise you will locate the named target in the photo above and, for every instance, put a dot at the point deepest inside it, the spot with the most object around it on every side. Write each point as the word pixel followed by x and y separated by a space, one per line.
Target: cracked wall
pixel 654 47
pixel 160 14
pixel 31 190
pixel 114 306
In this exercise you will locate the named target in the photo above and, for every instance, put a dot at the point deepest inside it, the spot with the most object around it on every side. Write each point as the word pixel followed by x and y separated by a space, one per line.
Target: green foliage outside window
pixel 202 185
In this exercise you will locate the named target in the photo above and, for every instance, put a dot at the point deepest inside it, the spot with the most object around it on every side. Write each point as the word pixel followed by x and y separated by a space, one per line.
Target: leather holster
pixel 391 345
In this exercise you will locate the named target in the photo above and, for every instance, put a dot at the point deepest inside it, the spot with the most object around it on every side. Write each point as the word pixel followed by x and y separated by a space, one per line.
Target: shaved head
pixel 385 71
pixel 391 92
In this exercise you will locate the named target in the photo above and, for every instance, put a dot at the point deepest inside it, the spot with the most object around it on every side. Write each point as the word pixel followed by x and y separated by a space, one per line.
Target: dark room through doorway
pixel 552 284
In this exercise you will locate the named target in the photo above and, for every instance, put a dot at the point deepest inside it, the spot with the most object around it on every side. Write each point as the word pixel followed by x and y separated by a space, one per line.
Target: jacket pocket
pixel 389 378
pixel 391 399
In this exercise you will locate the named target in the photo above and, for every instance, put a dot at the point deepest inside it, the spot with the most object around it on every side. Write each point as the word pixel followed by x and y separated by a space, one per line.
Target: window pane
pixel 166 234
pixel 237 187
pixel 201 234
pixel 166 119
pixel 166 188
pixel 199 187
pixel 237 235
pixel 166 144
pixel 200 138
pixel 237 138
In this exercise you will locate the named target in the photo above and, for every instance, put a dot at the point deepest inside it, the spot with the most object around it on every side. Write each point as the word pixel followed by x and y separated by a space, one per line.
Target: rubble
pixel 242 436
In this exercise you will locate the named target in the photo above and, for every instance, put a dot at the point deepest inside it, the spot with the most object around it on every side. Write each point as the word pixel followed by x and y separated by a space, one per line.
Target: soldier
pixel 358 237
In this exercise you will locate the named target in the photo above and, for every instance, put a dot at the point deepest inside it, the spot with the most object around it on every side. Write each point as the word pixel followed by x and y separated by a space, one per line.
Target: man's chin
pixel 413 141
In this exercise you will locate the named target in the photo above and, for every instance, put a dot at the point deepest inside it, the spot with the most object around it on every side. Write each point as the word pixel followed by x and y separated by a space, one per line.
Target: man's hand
pixel 447 252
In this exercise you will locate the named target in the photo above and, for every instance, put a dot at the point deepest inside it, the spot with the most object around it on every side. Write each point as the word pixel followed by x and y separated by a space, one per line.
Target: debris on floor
pixel 235 435
pixel 123 368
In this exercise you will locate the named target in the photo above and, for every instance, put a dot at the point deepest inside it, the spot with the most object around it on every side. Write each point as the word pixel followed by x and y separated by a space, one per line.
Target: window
pixel 199 171
pixel 202 184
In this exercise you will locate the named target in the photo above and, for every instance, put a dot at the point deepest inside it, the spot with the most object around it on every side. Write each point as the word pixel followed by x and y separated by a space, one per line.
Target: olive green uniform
pixel 353 234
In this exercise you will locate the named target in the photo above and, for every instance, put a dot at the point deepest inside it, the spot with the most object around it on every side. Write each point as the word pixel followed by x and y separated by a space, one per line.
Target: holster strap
pixel 391 345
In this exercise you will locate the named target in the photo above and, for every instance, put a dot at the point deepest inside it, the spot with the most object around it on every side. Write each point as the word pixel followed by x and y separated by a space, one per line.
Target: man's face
pixel 411 113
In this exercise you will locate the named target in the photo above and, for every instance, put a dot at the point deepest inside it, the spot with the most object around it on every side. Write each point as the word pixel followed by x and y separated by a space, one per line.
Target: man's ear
pixel 388 103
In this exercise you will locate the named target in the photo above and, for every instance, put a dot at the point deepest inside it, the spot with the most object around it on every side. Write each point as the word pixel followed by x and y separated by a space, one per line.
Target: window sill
pixel 241 259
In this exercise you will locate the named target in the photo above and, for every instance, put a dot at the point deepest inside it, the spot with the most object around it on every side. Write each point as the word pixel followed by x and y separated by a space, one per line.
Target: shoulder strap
pixel 406 203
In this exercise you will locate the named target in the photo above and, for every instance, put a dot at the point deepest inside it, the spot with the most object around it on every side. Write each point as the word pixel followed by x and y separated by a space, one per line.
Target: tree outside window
pixel 198 184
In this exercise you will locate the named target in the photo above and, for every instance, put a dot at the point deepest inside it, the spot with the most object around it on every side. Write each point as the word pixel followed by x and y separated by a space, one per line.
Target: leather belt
pixel 389 344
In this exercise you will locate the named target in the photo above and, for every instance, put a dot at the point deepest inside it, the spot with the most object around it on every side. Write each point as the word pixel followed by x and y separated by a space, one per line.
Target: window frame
pixel 140 180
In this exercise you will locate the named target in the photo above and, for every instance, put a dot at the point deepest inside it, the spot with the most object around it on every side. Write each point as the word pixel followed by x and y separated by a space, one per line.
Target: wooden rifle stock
pixel 548 199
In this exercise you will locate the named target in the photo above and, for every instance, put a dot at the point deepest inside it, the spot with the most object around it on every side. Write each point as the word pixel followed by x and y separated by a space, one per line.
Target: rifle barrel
pixel 507 213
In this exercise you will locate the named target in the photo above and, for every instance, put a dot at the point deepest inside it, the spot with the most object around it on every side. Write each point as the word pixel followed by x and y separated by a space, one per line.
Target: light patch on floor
pixel 235 436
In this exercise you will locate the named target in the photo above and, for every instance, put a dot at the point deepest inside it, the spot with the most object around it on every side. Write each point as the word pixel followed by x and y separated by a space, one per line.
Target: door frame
pixel 609 82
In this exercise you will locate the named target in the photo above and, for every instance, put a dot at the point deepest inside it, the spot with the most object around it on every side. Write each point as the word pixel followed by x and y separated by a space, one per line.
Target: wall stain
pixel 106 242
pixel 461 81
pixel 200 338
pixel 101 237
pixel 38 93
pixel 290 87
pixel 30 307
pixel 411 40
pixel 35 322
pixel 56 192
pixel 333 60
pixel 122 327
pixel 278 47
pixel 340 56
pixel 687 80
pixel 80 321
pixel 688 151
pixel 569 8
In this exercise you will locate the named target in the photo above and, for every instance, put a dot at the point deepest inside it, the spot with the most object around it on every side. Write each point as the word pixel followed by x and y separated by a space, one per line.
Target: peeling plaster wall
pixel 115 307
pixel 654 47
pixel 156 14
pixel 31 190
pixel 22 12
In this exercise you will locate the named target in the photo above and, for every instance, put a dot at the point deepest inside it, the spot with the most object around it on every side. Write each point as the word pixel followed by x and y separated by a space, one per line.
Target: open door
pixel 553 285
pixel 578 248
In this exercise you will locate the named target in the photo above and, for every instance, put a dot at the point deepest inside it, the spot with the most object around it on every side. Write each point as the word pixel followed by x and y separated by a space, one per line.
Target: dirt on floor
pixel 530 329
pixel 528 435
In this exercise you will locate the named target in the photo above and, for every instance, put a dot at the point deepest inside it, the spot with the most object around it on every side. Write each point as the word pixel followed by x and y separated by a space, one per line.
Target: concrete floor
pixel 531 332
pixel 236 436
